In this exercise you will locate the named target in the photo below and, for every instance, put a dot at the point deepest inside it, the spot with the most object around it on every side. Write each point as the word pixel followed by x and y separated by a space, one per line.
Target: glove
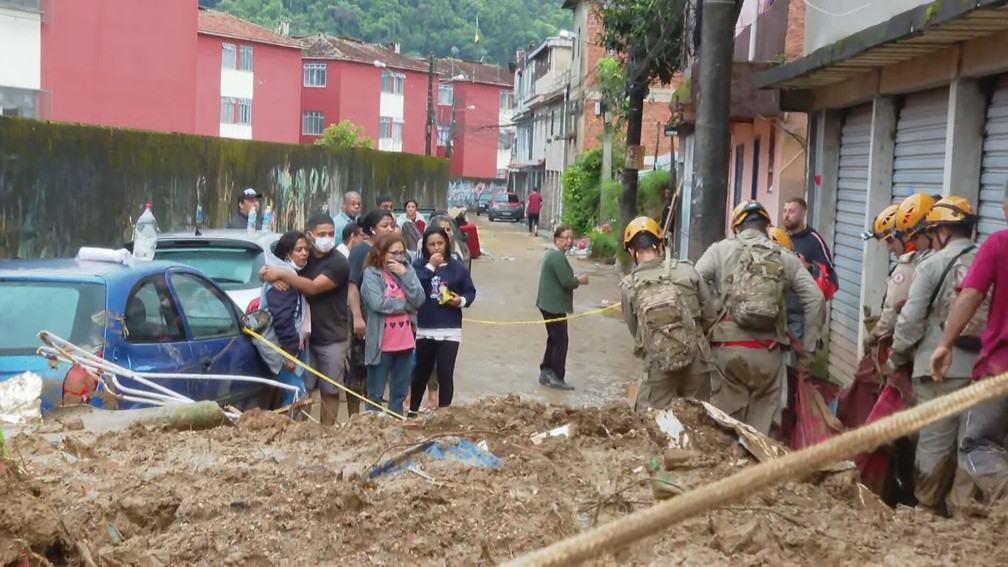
pixel 805 362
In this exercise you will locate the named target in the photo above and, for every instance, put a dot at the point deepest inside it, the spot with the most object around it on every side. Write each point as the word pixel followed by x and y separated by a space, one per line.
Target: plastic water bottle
pixel 267 219
pixel 145 235
pixel 252 220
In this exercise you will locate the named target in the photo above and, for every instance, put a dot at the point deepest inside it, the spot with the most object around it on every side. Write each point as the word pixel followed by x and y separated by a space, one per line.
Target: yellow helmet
pixel 780 236
pixel 950 210
pixel 884 226
pixel 912 213
pixel 744 209
pixel 639 225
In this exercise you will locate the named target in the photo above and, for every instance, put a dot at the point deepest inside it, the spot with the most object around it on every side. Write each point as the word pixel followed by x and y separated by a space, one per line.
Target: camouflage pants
pixel 659 388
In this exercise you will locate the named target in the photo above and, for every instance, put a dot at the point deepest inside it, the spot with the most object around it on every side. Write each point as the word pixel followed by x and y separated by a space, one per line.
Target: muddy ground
pixel 269 491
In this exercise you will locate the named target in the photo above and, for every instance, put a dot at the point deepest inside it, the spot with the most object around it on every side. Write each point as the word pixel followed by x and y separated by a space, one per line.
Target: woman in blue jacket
pixel 289 311
pixel 448 288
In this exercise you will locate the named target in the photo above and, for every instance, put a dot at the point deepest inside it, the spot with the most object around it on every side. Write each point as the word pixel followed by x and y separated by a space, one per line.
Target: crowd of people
pixel 370 311
pixel 725 328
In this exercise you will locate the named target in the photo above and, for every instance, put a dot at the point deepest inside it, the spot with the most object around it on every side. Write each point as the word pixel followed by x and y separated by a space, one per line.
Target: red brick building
pixel 373 86
pixel 247 80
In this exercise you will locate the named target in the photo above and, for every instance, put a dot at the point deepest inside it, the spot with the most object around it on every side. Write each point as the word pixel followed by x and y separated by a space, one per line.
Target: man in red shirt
pixel 982 449
pixel 532 208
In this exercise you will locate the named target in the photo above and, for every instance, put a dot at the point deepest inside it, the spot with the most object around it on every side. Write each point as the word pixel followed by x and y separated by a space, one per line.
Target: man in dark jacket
pixel 809 245
pixel 248 200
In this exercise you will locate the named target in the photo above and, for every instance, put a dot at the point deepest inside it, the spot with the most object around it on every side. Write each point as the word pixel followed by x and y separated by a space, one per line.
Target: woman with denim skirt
pixel 289 312
pixel 391 294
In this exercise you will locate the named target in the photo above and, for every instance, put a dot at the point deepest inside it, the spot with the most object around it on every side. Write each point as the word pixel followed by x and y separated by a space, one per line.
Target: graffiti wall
pixel 462 191
pixel 66 185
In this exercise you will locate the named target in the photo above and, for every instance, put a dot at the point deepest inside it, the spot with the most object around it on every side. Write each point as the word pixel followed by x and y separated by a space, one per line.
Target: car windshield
pixel 506 198
pixel 229 267
pixel 485 197
pixel 74 311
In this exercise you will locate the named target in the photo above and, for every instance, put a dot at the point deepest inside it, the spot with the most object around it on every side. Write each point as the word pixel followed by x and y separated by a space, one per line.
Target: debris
pixel 113 533
pixel 562 431
pixel 758 445
pixel 452 449
pixel 671 426
pixel 20 399
pixel 663 484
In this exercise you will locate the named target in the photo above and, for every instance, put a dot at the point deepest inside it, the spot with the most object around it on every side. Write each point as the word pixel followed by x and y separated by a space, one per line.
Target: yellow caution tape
pixel 541 321
pixel 349 392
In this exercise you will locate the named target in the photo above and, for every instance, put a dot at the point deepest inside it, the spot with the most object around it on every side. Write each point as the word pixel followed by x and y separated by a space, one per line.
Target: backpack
pixel 669 332
pixel 754 291
pixel 957 268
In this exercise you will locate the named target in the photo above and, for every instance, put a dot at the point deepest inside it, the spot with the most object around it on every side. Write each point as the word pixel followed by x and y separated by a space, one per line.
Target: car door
pixel 152 337
pixel 211 321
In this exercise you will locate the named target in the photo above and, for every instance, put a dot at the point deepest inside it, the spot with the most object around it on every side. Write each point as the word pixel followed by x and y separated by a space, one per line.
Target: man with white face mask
pixel 324 281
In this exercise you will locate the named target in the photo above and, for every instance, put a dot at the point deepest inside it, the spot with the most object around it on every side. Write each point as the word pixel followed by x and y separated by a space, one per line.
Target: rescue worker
pixel 901 228
pixel 667 308
pixel 950 224
pixel 751 274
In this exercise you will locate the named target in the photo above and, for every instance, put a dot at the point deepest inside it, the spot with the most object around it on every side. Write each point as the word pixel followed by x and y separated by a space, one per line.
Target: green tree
pixel 346 134
pixel 647 37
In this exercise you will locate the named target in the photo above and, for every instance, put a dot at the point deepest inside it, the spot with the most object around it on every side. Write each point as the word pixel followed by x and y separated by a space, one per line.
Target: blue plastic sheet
pixel 452 449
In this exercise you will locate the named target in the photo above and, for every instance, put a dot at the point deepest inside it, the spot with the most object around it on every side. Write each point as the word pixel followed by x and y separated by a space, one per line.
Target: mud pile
pixel 271 491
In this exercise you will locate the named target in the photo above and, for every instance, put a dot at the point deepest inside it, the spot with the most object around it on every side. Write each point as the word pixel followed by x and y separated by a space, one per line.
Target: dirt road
pixel 504 359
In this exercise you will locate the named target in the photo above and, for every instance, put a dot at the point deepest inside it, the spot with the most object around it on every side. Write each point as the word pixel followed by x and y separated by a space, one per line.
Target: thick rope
pixel 598 541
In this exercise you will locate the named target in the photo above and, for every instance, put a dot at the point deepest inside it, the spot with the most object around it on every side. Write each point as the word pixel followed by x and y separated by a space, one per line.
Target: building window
pixel 245 111
pixel 393 83
pixel 501 174
pixel 504 140
pixel 443 132
pixel 385 127
pixel 312 123
pixel 505 100
pixel 314 74
pixel 227 110
pixel 29 5
pixel 397 131
pixel 446 94
pixel 228 60
pixel 245 58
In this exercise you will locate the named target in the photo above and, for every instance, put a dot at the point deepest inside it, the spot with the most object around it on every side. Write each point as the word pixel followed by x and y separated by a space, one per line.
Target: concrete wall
pixel 836 20
pixel 107 174
pixel 20 49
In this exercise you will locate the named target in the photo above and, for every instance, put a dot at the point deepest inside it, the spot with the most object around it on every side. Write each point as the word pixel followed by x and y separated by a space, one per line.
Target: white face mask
pixel 294 265
pixel 325 244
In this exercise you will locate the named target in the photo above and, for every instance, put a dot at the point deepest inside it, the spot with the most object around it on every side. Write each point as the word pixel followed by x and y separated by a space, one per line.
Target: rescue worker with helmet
pixel 900 227
pixel 949 225
pixel 751 274
pixel 667 308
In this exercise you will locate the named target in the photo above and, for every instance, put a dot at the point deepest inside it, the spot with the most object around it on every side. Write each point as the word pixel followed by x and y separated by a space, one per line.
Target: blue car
pixel 152 317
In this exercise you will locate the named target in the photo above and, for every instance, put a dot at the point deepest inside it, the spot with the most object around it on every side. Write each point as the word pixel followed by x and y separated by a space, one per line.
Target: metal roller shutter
pixel 920 144
pixel 848 248
pixel 994 172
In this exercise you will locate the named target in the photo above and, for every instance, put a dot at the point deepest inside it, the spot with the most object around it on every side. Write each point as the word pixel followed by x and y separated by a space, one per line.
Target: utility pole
pixel 430 102
pixel 710 161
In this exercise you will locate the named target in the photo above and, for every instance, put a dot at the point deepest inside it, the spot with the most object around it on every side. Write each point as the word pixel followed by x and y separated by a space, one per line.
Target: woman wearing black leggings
pixel 449 289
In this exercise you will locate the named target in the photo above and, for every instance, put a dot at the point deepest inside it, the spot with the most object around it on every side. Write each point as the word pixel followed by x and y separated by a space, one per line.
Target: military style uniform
pixel 747 384
pixel 658 387
pixel 896 294
pixel 918 331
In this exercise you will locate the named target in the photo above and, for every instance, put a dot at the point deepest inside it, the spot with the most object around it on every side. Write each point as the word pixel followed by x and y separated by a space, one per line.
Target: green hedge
pixel 649 196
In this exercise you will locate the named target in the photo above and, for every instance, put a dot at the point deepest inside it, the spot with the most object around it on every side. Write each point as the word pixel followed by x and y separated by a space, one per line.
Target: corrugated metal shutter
pixel 920 144
pixel 994 172
pixel 848 248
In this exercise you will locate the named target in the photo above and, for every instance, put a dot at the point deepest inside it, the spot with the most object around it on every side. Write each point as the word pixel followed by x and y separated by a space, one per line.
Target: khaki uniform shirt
pixel 692 289
pixel 918 328
pixel 719 261
pixel 896 294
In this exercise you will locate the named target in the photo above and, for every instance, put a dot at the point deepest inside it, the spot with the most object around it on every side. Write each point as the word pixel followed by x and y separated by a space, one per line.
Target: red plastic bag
pixel 814 420
pixel 857 400
pixel 874 466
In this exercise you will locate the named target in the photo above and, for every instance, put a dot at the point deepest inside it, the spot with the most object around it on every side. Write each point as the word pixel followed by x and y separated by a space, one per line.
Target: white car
pixel 230 257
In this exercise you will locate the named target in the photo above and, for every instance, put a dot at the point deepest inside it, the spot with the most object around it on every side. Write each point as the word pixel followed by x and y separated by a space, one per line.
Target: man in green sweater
pixel 555 300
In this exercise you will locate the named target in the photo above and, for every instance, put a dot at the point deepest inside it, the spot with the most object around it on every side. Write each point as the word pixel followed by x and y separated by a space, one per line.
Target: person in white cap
pixel 248 199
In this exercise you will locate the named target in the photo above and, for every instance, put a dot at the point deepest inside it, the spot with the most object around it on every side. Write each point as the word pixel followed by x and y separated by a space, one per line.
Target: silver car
pixel 230 257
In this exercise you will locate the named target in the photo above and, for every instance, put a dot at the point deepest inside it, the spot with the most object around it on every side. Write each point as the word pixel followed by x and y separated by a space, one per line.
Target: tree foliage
pixel 610 80
pixel 647 35
pixel 346 134
pixel 420 26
